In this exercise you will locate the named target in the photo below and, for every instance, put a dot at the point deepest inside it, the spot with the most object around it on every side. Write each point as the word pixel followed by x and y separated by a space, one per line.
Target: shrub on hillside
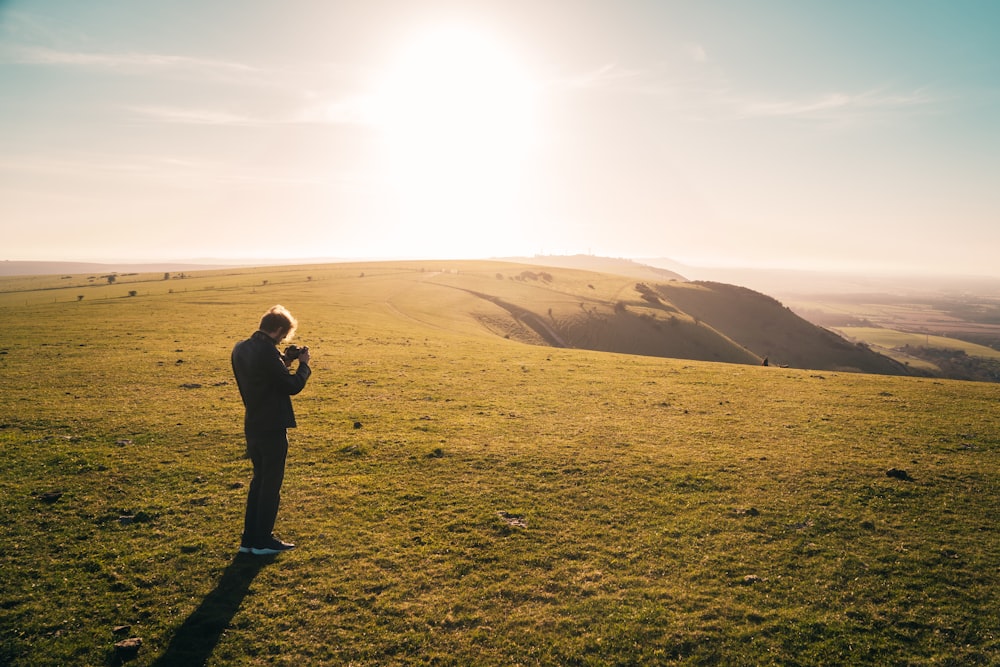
pixel 648 294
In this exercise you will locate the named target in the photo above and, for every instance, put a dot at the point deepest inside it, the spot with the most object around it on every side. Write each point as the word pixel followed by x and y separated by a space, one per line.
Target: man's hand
pixel 304 356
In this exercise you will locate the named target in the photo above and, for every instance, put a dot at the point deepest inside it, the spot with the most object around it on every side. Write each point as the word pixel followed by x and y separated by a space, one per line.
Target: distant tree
pixel 79 297
pixel 112 278
pixel 166 275
pixel 132 292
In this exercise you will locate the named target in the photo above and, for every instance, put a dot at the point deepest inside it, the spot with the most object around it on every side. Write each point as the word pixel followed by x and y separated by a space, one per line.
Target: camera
pixel 292 352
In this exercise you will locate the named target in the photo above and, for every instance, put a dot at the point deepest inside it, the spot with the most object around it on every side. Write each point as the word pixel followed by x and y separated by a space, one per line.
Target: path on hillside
pixel 395 310
pixel 523 316
pixel 399 312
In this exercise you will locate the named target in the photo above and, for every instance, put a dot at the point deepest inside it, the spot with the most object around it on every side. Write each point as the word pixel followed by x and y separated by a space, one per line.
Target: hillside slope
pixel 608 312
pixel 771 330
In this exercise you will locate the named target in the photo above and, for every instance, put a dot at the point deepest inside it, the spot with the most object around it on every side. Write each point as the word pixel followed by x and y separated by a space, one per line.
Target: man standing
pixel 266 386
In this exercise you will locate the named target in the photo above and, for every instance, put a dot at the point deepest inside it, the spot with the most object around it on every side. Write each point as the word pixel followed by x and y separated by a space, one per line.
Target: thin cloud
pixel 316 109
pixel 176 171
pixel 695 53
pixel 62 166
pixel 834 106
pixel 699 90
pixel 606 76
pixel 346 111
pixel 821 105
pixel 35 55
pixel 349 110
pixel 144 63
pixel 197 116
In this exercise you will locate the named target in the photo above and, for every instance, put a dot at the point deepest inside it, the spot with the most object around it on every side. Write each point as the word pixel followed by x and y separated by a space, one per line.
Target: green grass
pixel 501 503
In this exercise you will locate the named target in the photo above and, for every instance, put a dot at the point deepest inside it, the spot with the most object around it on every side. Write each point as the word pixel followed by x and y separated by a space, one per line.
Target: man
pixel 266 386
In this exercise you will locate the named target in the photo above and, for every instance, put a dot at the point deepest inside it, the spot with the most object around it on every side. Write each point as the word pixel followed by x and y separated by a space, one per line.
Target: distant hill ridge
pixel 623 267
pixel 43 268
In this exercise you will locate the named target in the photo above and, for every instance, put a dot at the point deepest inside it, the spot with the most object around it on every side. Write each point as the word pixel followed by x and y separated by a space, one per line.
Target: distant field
pixel 974 319
pixel 889 339
pixel 460 497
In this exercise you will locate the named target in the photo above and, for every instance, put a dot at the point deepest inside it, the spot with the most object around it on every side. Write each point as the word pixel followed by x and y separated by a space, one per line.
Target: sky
pixel 829 135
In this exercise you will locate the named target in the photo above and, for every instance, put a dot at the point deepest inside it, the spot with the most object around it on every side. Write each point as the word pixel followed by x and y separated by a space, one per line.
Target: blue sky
pixel 850 135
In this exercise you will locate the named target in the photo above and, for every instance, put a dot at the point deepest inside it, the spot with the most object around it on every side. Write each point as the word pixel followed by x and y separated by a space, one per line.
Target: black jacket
pixel 265 384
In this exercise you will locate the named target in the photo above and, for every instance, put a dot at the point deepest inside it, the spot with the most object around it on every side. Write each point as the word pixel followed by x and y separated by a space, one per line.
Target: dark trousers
pixel 268 452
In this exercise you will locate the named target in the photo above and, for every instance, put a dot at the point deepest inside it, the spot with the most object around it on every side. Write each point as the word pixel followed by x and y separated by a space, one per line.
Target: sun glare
pixel 456 112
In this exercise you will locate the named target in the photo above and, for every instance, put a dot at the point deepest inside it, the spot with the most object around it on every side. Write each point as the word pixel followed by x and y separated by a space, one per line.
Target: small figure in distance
pixel 266 387
pixel 765 362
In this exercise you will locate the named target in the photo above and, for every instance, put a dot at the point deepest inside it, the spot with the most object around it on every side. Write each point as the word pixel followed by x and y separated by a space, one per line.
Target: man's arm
pixel 290 383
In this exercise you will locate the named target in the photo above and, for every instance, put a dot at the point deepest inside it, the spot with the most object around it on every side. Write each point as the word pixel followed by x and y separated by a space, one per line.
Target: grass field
pixel 499 504
pixel 889 339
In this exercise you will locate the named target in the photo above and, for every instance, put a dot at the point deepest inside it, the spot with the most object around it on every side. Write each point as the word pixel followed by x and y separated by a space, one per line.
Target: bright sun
pixel 457 117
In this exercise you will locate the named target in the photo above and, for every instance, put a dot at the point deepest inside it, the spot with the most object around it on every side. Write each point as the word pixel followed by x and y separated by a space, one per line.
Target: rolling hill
pixel 578 302
pixel 612 312
pixel 770 329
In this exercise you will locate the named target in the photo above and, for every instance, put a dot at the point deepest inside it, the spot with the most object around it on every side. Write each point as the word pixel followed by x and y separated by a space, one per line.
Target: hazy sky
pixel 779 133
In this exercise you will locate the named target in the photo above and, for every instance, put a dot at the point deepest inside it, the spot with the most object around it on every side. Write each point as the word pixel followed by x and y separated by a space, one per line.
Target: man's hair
pixel 278 317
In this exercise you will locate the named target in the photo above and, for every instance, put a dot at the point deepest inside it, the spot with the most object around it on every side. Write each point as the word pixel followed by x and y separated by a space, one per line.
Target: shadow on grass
pixel 197 637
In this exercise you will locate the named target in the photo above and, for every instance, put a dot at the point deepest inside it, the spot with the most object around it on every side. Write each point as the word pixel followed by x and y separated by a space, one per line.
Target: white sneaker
pixel 275 546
